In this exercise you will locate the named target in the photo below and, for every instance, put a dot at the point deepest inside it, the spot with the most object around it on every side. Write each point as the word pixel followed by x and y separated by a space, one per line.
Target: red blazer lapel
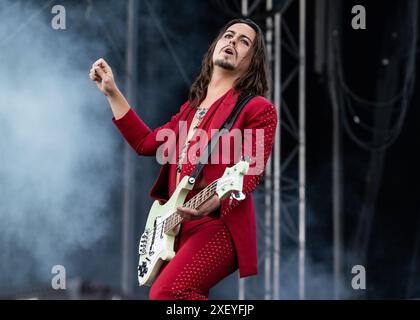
pixel 223 112
pixel 214 119
pixel 217 115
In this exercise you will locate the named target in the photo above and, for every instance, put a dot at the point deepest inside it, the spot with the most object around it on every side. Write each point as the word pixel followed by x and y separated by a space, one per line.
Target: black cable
pixel 376 104
pixel 407 89
pixel 363 125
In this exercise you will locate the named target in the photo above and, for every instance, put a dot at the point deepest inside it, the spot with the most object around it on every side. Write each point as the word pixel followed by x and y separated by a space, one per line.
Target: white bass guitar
pixel 157 242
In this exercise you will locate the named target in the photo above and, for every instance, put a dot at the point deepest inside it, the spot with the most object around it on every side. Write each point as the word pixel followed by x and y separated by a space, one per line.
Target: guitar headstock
pixel 232 179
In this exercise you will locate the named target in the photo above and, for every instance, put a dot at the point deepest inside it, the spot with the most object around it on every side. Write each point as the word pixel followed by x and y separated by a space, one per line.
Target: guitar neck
pixel 174 219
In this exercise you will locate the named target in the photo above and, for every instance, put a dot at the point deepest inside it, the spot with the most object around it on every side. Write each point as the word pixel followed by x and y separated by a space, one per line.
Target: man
pixel 220 236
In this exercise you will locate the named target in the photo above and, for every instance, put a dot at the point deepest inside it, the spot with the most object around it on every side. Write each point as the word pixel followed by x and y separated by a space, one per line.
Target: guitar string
pixel 208 191
pixel 190 202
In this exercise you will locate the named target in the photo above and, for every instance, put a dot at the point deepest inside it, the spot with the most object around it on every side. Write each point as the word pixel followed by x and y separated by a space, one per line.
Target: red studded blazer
pixel 258 120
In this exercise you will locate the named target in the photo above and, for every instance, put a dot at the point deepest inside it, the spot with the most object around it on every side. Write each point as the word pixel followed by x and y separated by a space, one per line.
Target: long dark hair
pixel 254 80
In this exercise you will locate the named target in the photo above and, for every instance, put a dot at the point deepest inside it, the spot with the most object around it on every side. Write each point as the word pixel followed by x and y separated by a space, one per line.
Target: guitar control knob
pixel 142 269
pixel 142 248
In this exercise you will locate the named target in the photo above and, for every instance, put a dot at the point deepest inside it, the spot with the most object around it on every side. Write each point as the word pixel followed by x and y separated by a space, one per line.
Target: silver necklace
pixel 201 112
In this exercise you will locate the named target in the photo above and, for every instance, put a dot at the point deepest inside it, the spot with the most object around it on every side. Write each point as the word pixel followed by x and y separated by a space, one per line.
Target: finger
pixel 93 71
pixel 100 72
pixel 186 216
pixel 104 68
pixel 103 65
pixel 204 211
pixel 93 76
pixel 209 206
pixel 98 62
pixel 187 210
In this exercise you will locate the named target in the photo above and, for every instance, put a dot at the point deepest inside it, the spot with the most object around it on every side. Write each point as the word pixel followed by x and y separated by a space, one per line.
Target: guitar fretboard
pixel 174 219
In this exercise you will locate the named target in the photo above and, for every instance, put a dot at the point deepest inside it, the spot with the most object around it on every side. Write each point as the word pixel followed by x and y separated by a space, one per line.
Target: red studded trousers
pixel 205 254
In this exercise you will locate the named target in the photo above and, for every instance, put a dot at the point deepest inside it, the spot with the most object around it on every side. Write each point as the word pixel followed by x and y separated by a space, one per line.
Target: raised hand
pixel 102 74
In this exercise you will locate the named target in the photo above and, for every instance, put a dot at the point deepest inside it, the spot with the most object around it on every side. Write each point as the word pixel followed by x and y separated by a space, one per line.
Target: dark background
pixel 380 189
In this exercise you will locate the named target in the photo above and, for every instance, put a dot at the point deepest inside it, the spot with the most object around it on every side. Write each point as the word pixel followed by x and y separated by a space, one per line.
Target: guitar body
pixel 156 246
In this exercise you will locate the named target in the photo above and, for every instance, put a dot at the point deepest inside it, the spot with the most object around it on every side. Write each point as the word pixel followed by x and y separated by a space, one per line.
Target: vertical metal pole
pixel 302 145
pixel 241 289
pixel 336 200
pixel 277 158
pixel 244 8
pixel 128 182
pixel 268 173
pixel 336 155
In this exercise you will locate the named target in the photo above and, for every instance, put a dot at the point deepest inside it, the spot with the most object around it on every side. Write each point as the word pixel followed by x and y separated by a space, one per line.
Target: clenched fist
pixel 101 73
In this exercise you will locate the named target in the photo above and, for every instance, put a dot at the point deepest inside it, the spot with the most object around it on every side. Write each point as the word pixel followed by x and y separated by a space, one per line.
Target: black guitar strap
pixel 242 101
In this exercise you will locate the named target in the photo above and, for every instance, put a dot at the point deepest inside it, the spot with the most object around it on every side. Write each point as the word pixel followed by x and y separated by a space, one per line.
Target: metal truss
pixel 281 226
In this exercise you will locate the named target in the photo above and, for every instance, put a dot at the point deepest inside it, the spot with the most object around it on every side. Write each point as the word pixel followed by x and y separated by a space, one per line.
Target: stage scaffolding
pixel 283 211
